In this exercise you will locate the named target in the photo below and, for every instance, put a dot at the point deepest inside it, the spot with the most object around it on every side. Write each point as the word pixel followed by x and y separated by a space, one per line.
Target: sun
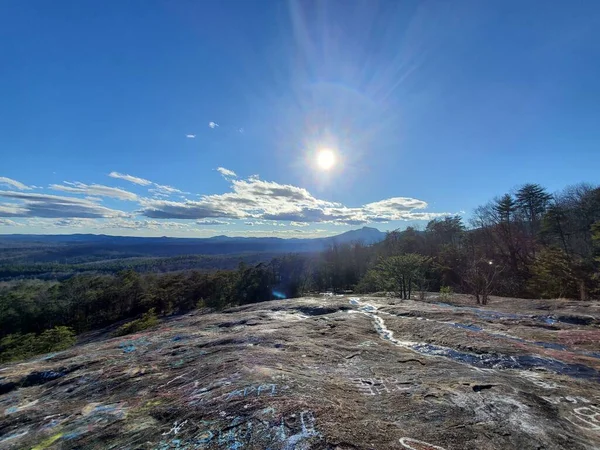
pixel 326 159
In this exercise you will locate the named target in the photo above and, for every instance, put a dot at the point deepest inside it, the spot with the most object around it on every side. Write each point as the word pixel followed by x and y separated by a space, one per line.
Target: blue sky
pixel 115 117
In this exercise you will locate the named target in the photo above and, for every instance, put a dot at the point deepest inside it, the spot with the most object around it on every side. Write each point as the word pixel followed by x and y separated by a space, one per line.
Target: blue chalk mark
pixel 270 410
pixel 307 431
pixel 265 387
pixel 235 394
pixel 281 431
pixel 127 348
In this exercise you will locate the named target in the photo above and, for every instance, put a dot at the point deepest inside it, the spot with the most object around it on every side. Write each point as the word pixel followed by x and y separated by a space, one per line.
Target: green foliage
pixel 148 320
pixel 20 346
pixel 446 293
pixel 403 272
pixel 370 282
pixel 553 275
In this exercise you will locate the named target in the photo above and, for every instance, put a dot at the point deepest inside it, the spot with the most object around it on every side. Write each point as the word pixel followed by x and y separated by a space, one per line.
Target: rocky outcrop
pixel 322 373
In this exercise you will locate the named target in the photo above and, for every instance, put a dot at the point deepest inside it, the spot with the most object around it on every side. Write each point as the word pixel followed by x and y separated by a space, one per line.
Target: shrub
pixel 20 346
pixel 446 293
pixel 148 320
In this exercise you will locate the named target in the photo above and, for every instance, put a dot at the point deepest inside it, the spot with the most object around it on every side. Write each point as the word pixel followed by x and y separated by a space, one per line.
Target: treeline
pixel 523 244
pixel 61 271
pixel 89 301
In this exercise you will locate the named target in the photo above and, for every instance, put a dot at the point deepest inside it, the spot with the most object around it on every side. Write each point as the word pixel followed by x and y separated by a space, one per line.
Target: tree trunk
pixel 583 293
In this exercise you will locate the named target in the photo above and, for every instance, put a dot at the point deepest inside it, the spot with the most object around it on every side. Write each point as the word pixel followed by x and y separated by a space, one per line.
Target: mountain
pixel 48 248
pixel 366 235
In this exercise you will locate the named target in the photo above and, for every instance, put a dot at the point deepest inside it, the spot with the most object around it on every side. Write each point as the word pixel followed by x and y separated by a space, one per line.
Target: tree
pixel 401 273
pixel 479 279
pixel 553 275
pixel 532 201
pixel 505 208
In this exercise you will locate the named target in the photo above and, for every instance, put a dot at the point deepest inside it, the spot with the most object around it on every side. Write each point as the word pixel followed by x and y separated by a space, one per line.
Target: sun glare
pixel 325 159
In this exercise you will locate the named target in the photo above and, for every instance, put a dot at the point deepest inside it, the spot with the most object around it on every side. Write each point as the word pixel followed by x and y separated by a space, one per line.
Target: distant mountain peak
pixel 366 235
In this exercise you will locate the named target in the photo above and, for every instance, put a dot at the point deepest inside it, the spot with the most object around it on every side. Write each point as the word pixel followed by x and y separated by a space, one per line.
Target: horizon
pixel 268 236
pixel 292 119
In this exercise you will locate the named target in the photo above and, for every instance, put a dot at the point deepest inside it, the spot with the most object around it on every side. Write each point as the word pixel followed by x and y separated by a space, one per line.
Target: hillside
pixel 92 247
pixel 322 373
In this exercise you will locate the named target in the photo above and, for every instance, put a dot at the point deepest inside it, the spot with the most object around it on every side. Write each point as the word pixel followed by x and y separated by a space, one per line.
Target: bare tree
pixel 479 279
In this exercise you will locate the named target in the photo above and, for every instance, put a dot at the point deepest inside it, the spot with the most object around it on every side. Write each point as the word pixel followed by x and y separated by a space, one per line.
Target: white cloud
pixel 253 201
pixel 146 225
pixel 14 184
pixel 158 190
pixel 164 191
pixel 226 172
pixel 9 223
pixel 211 222
pixel 53 206
pixel 190 136
pixel 95 190
pixel 213 125
pixel 285 233
pixel 256 199
pixel 75 223
pixel 299 224
pixel 130 178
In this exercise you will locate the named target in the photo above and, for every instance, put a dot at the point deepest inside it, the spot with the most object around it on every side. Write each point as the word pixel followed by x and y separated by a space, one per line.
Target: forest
pixel 525 244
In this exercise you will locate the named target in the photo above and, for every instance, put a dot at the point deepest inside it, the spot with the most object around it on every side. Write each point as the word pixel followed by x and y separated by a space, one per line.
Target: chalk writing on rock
pixel 176 428
pixel 587 417
pixel 568 399
pixel 414 444
pixel 378 386
pixel 535 378
pixel 263 389
pixel 250 432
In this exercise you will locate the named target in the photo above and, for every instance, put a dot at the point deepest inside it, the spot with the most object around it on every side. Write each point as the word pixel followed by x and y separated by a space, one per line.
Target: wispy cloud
pixel 226 172
pixel 130 178
pixel 211 222
pixel 190 136
pixel 95 190
pixel 14 184
pixel 53 206
pixel 162 190
pixel 299 224
pixel 213 125
pixel 74 223
pixel 9 223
